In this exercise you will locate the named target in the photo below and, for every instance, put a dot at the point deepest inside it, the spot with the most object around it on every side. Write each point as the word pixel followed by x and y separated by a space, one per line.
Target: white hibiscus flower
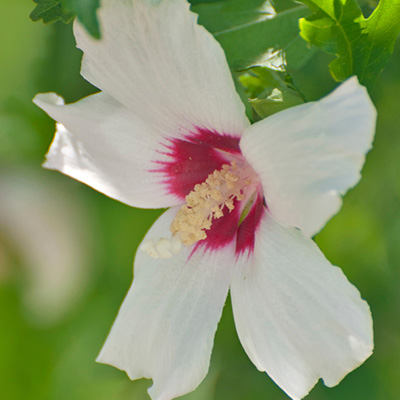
pixel 169 130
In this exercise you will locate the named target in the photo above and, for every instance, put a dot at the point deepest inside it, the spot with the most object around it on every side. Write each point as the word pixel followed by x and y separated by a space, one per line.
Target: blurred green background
pixel 66 251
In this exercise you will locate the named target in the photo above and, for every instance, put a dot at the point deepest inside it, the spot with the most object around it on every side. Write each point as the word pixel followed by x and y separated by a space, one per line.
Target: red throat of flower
pixel 222 194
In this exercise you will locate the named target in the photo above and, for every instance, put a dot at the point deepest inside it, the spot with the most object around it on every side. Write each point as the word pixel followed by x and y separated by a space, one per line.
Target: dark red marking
pixel 226 229
pixel 227 143
pixel 193 158
pixel 222 231
pixel 246 231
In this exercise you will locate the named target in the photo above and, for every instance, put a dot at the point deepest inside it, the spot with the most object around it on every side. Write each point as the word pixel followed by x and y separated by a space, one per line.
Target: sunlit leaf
pixel 362 46
pixel 269 91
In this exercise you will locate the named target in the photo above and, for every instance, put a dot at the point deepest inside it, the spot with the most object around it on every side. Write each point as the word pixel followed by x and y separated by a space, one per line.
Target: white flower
pixel 167 119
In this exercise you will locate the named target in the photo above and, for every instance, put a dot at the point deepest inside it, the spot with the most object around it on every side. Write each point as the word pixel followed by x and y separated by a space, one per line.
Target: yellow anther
pixel 229 204
pixel 206 202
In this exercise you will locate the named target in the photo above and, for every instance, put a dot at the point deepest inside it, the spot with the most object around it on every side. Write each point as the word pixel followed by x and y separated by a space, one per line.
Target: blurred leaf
pixel 362 46
pixel 49 11
pixel 266 41
pixel 217 17
pixel 269 91
pixel 65 10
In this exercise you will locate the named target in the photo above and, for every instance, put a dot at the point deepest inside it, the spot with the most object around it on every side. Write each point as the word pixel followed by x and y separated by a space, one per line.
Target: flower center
pixel 208 201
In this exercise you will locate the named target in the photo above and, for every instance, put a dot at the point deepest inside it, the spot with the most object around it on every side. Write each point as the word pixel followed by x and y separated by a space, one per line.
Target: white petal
pixel 155 59
pixel 101 143
pixel 309 155
pixel 297 316
pixel 166 325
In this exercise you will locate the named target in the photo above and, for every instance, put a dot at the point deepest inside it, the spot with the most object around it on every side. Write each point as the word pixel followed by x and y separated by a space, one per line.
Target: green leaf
pixel 217 17
pixel 275 100
pixel 65 10
pixel 261 46
pixel 383 28
pixel 269 91
pixel 195 2
pixel 282 5
pixel 362 46
pixel 49 11
pixel 85 10
pixel 266 41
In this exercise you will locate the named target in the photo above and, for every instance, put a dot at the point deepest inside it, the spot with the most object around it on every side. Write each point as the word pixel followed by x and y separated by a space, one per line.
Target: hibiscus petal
pixel 298 317
pixel 309 155
pixel 101 143
pixel 156 60
pixel 166 325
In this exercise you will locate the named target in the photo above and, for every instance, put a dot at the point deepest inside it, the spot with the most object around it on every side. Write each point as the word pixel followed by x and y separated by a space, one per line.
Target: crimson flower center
pixel 219 193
